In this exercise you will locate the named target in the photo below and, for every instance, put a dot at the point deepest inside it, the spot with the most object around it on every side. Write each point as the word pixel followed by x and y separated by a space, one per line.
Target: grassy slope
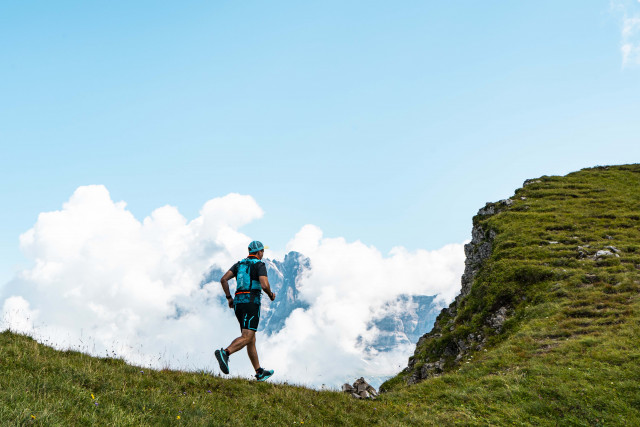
pixel 569 355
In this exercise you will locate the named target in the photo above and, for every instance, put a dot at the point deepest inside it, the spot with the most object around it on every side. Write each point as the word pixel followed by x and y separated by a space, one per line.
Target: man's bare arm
pixel 225 286
pixel 264 283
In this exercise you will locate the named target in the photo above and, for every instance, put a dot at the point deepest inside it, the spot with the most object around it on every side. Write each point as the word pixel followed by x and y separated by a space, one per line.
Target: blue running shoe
pixel 223 360
pixel 263 374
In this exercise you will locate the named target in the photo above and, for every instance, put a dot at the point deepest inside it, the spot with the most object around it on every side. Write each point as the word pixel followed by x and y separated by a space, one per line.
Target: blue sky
pixel 387 122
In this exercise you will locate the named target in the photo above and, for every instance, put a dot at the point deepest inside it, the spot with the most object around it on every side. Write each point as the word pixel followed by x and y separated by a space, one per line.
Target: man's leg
pixel 261 374
pixel 222 355
pixel 243 340
pixel 253 353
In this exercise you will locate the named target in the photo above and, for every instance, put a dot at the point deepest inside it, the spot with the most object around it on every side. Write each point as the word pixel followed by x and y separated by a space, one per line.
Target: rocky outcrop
pixel 477 252
pixel 360 389
pixel 586 252
pixel 285 278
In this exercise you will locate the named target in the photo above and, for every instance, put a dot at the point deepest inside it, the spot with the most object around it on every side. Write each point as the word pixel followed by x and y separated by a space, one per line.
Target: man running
pixel 251 280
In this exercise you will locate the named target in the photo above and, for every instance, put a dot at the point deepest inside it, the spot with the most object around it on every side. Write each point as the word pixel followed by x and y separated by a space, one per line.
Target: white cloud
pixel 106 283
pixel 630 37
pixel 17 313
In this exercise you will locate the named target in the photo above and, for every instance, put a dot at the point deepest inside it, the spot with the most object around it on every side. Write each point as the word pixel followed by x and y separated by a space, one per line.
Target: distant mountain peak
pixel 402 322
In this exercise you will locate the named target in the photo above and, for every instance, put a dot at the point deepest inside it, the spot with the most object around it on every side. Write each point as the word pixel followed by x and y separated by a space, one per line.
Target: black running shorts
pixel 248 315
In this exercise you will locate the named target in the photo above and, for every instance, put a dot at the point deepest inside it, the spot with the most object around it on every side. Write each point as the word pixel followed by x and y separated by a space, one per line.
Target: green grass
pixel 569 354
pixel 63 388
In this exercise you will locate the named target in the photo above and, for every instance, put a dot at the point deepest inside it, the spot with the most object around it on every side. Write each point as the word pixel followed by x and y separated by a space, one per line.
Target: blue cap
pixel 256 246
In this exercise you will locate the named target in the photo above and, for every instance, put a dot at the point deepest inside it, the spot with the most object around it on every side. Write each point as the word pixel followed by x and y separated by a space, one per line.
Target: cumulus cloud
pixel 126 284
pixel 629 10
pixel 104 282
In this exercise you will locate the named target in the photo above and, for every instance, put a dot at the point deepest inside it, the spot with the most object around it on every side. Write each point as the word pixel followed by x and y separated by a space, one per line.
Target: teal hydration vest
pixel 247 289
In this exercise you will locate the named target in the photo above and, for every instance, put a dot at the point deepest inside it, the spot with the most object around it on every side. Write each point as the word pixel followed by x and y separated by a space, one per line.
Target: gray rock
pixel 603 254
pixel 494 208
pixel 489 209
pixel 498 318
pixel 613 249
pixel 347 388
pixel 451 350
pixel 372 391
pixel 462 346
pixel 583 252
pixel 415 378
pixel 432 369
pixel 361 389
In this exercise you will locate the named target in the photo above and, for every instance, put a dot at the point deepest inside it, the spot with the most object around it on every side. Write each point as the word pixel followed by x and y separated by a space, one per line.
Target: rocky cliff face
pixel 410 316
pixel 454 350
pixel 284 278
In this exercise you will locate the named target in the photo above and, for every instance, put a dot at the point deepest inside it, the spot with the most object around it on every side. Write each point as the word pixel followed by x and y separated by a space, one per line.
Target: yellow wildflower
pixel 33 417
pixel 92 396
pixel 178 417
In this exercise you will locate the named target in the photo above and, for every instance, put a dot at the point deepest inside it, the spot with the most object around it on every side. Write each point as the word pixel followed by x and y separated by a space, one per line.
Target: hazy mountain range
pixel 403 320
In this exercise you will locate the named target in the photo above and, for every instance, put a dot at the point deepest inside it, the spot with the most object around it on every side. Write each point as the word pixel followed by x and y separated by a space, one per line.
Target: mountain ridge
pixel 546 246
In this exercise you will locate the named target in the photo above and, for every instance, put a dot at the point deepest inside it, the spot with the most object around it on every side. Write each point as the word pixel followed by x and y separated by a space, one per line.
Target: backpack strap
pixel 255 293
